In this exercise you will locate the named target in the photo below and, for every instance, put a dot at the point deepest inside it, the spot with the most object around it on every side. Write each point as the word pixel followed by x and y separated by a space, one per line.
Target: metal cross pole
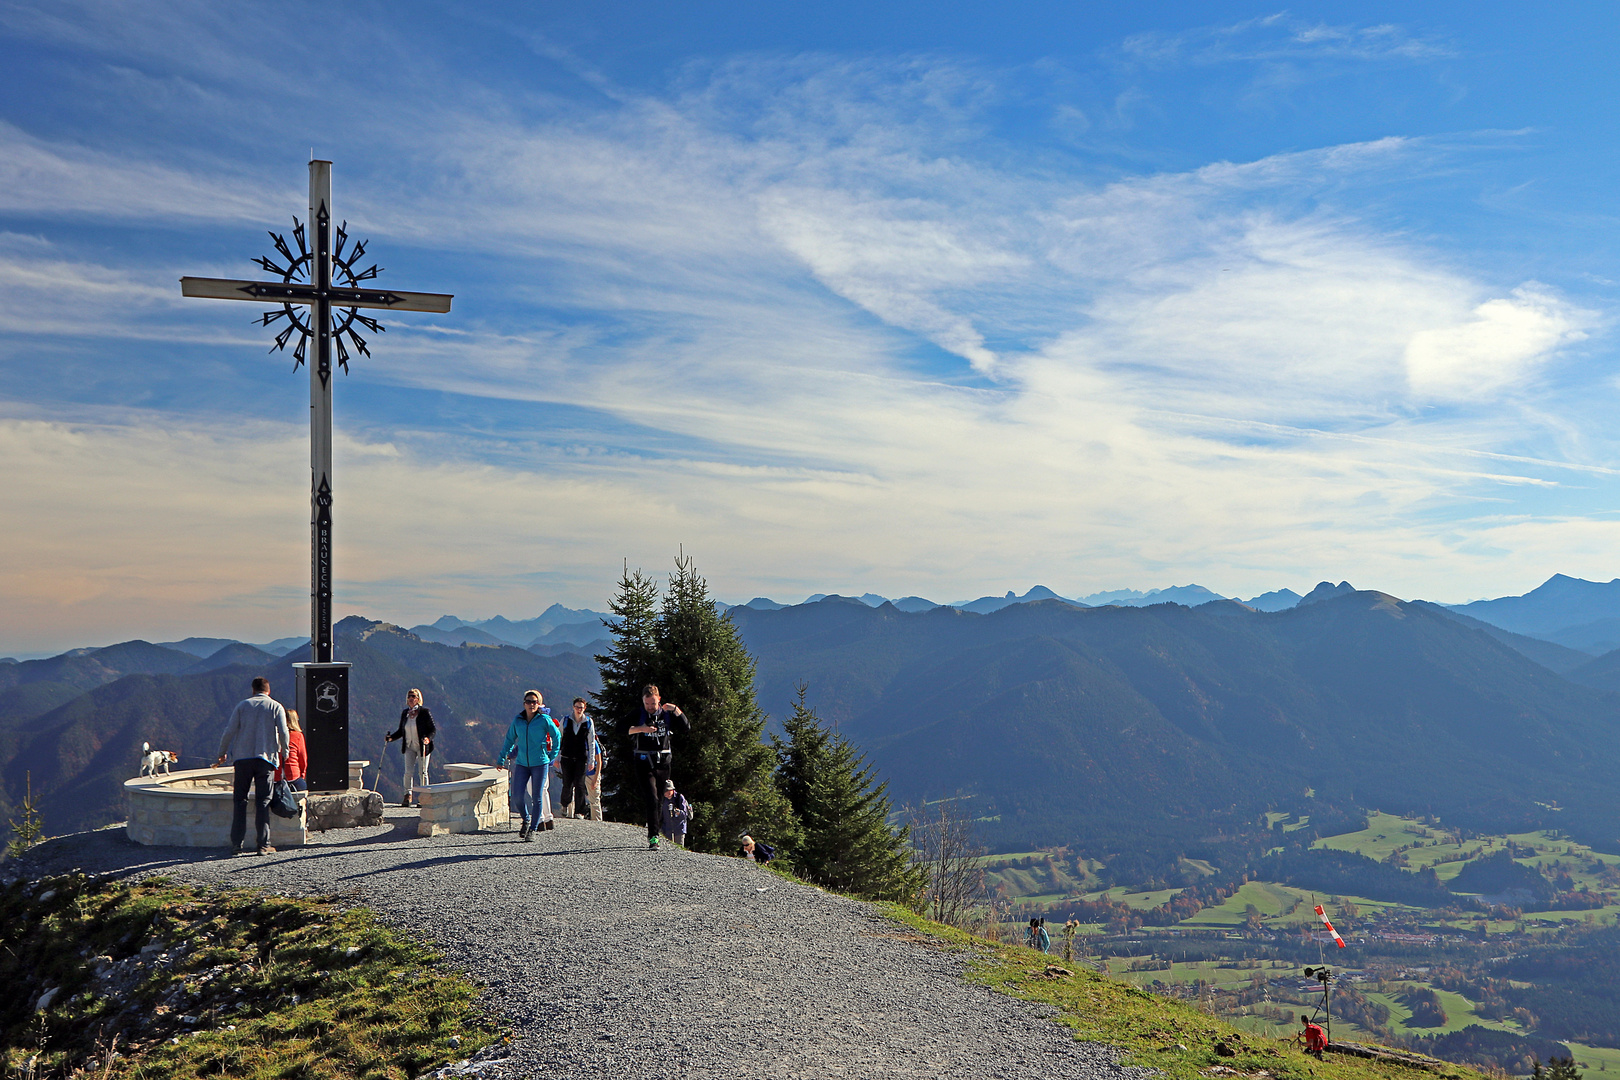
pixel 325 279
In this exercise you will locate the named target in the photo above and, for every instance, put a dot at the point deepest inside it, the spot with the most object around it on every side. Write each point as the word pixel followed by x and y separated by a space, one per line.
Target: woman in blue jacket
pixel 535 740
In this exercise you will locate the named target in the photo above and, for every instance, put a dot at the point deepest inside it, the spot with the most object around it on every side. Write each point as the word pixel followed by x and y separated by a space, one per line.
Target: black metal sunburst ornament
pixel 344 274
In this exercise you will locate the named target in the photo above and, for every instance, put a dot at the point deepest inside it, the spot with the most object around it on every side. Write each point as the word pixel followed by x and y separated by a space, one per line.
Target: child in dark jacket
pixel 674 813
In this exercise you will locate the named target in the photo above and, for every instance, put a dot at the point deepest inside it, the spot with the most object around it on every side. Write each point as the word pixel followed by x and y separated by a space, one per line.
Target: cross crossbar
pixel 296 293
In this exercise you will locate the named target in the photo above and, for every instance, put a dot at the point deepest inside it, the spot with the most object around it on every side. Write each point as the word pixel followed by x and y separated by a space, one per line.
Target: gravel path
pixel 612 960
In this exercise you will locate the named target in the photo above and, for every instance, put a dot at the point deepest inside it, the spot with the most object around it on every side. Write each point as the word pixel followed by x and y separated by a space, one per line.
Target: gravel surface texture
pixel 611 960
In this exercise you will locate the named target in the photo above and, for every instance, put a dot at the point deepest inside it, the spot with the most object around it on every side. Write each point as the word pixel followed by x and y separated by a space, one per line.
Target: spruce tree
pixel 696 658
pixel 630 664
pixel 723 767
pixel 845 840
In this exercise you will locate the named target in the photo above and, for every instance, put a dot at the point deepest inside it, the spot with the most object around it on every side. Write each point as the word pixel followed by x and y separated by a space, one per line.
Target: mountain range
pixel 1578 615
pixel 1158 728
pixel 1581 617
pixel 1170 724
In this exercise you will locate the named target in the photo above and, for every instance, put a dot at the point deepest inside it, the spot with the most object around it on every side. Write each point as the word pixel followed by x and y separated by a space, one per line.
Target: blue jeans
pixel 531 786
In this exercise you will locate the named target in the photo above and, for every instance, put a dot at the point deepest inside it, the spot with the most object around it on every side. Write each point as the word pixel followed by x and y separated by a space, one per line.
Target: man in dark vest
pixel 578 748
pixel 651 754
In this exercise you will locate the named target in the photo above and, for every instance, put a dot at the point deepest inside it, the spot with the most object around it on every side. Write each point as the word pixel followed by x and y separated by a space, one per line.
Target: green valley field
pixel 1509 958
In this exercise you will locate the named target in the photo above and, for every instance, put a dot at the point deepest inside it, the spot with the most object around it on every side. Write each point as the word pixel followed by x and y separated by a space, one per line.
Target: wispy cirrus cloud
pixel 43 177
pixel 1284 36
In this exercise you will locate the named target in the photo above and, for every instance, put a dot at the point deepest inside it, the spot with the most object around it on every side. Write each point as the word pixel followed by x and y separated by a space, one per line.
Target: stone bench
pixel 473 799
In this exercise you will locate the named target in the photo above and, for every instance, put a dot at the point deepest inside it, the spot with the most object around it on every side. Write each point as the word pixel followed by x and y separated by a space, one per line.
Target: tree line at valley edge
pixel 1141 736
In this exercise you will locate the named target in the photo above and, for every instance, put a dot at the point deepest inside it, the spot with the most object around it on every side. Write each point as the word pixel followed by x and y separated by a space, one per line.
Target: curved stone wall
pixel 192 808
pixel 474 800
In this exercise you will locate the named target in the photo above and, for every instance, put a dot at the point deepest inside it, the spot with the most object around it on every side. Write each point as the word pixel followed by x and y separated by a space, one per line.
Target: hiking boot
pixel 551 823
pixel 267 850
pixel 523 831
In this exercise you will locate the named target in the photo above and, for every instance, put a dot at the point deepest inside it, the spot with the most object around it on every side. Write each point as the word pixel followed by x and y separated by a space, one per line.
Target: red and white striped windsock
pixel 1320 914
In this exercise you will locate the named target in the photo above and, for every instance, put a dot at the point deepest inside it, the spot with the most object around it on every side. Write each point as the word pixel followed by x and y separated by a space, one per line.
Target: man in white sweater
pixel 256 740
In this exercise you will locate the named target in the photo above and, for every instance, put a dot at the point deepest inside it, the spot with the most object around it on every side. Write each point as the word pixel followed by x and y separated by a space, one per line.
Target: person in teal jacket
pixel 535 741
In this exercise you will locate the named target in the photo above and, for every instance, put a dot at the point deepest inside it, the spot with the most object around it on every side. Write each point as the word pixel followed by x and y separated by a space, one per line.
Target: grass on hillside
pixel 1141 901
pixel 1281 906
pixel 1153 1031
pixel 1027 878
pixel 163 980
pixel 1035 876
pixel 1598 1060
pixel 1435 845
pixel 1460 1012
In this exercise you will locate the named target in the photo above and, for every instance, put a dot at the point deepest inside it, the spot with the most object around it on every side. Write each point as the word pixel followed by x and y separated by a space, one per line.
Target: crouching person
pixel 756 850
pixel 1315 1037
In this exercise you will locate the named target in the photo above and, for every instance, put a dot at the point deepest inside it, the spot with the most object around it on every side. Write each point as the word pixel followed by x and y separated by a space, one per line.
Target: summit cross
pixel 325 284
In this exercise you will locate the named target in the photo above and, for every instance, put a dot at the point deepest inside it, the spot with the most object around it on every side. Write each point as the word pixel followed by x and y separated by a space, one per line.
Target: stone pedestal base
pixel 350 810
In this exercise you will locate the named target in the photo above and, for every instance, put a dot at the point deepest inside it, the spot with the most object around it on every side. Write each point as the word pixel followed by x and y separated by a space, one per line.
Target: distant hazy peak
pixel 763 603
pixel 1276 600
pixel 1113 596
pixel 1326 591
pixel 984 605
pixel 1570 611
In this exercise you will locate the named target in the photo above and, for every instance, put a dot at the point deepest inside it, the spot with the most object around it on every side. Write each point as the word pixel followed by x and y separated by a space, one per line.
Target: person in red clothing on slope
pixel 296 763
pixel 1315 1037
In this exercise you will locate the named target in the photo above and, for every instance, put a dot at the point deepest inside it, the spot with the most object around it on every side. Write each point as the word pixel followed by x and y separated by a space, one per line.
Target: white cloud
pixel 1500 345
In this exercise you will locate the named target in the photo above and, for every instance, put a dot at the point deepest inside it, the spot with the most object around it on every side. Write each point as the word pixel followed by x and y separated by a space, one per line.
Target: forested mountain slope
pixel 1166 726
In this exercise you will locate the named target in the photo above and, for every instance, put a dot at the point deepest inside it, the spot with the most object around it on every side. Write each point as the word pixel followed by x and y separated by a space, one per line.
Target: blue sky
pixel 930 299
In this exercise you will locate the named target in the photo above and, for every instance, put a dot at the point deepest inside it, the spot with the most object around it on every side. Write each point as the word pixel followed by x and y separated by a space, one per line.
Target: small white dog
pixel 153 760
